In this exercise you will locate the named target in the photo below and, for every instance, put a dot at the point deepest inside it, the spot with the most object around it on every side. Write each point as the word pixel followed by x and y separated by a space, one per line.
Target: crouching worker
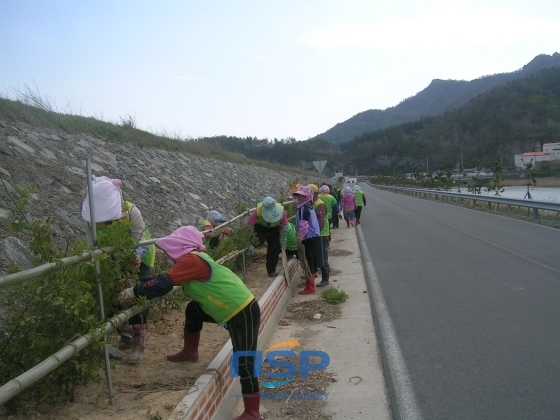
pixel 218 296
pixel 214 237
pixel 110 207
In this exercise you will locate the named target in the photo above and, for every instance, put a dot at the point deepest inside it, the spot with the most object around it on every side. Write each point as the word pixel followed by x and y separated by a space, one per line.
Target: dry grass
pixel 305 311
pixel 286 404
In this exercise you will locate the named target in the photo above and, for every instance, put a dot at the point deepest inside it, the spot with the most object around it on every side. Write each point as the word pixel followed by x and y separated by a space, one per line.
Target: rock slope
pixel 170 188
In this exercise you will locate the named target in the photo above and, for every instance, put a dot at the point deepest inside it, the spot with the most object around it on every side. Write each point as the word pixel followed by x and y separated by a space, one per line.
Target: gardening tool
pixel 285 265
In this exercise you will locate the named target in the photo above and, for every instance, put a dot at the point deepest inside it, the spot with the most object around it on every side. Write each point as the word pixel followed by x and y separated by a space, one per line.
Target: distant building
pixel 553 149
pixel 550 152
pixel 533 157
pixel 351 180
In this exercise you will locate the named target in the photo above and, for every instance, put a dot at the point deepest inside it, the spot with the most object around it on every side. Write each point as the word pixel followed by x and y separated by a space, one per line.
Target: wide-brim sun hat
pixel 271 212
pixel 215 215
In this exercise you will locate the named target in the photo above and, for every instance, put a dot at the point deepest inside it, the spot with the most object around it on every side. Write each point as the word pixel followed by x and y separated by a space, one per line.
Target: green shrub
pixel 46 312
pixel 334 296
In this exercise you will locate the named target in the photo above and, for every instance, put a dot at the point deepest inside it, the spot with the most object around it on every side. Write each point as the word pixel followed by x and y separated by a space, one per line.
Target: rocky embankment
pixel 170 188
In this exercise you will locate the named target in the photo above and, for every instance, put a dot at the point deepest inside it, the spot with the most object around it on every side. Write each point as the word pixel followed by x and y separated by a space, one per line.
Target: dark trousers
pixel 334 220
pixel 358 212
pixel 144 274
pixel 325 253
pixel 313 253
pixel 243 330
pixel 272 238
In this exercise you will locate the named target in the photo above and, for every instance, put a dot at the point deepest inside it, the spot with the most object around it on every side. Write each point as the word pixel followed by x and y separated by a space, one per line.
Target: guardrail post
pixel 535 212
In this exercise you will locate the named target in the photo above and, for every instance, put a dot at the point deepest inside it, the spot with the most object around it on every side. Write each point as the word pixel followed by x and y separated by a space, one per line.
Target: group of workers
pixel 219 295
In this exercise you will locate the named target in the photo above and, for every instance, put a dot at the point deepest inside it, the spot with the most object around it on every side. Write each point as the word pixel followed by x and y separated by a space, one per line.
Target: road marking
pixel 503 248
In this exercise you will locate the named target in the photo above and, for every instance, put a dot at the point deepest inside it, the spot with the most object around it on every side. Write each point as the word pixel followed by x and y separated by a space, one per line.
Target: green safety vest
pixel 329 201
pixel 326 228
pixel 291 240
pixel 223 295
pixel 359 197
pixel 201 229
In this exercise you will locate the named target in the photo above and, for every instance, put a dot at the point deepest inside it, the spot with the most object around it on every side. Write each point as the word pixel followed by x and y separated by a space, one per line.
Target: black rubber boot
pixel 324 277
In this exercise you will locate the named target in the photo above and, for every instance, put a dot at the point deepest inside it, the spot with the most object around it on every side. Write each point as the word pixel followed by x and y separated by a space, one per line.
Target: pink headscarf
pixel 182 241
pixel 303 196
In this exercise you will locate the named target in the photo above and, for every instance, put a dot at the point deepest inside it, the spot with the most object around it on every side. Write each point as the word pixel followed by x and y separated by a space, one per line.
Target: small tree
pixel 476 187
pixel 496 184
pixel 443 179
pixel 530 176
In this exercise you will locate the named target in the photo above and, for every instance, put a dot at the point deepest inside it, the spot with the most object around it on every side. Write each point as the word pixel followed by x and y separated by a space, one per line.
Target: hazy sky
pixel 263 68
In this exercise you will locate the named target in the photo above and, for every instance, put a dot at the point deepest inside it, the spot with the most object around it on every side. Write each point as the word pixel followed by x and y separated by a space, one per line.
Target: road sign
pixel 319 165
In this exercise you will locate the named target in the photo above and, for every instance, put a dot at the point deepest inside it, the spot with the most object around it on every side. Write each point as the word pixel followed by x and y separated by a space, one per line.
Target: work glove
pixel 340 216
pixel 126 296
pixel 140 252
pixel 299 245
pixel 251 250
pixel 227 231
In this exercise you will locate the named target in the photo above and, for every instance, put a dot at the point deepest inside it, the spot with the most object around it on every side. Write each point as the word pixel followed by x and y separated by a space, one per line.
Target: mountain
pixel 439 97
pixel 495 125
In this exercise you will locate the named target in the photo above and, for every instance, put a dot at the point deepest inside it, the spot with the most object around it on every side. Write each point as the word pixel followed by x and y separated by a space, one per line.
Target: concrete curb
pixel 209 398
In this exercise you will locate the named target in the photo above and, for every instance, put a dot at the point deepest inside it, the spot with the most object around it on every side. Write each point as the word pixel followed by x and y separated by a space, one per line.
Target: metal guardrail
pixel 533 205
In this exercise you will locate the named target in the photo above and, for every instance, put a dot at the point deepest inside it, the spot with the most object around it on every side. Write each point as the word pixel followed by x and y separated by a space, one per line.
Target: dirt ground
pixel 152 389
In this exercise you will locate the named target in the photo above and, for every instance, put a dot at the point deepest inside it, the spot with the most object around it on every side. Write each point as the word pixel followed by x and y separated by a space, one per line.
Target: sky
pixel 260 68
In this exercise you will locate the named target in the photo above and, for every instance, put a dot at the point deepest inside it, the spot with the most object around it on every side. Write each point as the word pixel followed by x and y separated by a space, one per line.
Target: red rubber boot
pixel 309 286
pixel 189 352
pixel 251 403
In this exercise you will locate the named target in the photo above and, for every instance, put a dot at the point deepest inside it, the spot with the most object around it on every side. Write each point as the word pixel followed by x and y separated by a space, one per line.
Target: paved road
pixel 474 300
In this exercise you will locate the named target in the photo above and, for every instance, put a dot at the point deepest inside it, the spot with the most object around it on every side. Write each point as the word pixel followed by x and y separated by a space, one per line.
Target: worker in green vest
pixel 291 241
pixel 207 227
pixel 109 207
pixel 360 202
pixel 270 221
pixel 218 296
pixel 322 217
pixel 330 202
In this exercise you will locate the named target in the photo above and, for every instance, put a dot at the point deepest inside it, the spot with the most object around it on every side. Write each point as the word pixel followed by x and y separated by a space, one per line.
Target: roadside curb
pixel 209 398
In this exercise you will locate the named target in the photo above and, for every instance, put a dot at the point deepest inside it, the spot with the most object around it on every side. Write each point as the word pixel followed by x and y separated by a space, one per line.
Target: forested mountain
pixel 288 152
pixel 439 97
pixel 497 124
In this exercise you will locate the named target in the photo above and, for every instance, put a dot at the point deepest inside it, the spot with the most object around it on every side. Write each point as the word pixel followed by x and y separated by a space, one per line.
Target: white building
pixel 351 180
pixel 551 152
pixel 533 157
pixel 553 149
